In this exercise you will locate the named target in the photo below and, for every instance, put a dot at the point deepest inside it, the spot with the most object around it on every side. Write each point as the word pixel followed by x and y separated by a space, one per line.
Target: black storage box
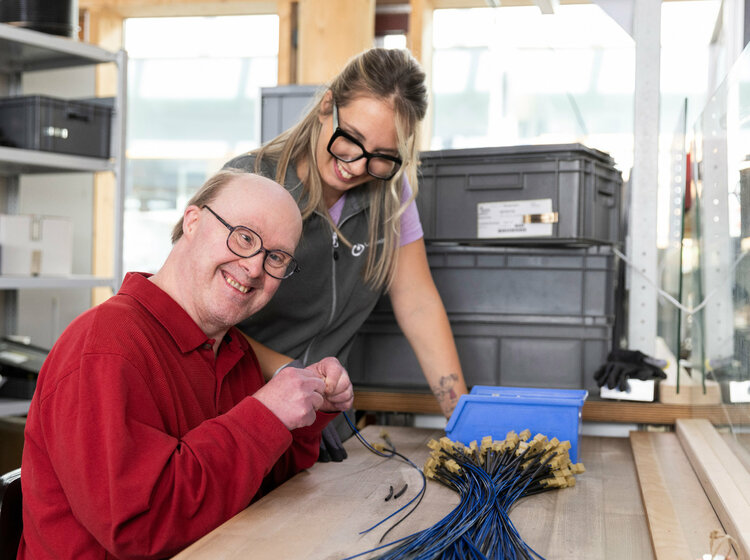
pixel 546 194
pixel 36 122
pixel 58 17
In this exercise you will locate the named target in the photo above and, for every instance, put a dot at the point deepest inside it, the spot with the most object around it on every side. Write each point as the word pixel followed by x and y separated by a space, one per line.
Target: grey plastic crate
pixel 36 122
pixel 521 284
pixel 521 316
pixel 553 355
pixel 282 107
pixel 482 195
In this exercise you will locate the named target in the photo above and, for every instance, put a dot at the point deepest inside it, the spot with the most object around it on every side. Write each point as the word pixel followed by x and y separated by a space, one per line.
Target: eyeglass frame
pixel 293 264
pixel 338 132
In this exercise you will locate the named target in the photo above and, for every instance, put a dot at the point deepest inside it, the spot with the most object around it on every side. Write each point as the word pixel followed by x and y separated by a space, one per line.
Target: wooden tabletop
pixel 319 513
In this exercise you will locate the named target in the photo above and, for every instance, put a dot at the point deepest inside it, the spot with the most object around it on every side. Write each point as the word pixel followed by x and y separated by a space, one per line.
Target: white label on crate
pixel 515 218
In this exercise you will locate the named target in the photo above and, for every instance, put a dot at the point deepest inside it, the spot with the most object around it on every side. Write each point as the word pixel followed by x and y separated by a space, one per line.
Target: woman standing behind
pixel 351 165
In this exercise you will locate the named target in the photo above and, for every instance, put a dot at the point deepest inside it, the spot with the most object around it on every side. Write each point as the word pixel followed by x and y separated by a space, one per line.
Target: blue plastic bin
pixel 494 411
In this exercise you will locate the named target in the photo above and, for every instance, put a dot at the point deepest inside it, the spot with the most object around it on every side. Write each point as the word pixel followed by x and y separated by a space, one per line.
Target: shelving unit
pixel 22 51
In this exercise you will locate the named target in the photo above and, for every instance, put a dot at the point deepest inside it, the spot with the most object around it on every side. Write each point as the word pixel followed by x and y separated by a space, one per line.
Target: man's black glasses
pixel 246 243
pixel 346 148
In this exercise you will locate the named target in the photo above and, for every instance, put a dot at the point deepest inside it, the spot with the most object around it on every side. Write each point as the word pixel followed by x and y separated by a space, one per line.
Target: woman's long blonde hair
pixel 392 75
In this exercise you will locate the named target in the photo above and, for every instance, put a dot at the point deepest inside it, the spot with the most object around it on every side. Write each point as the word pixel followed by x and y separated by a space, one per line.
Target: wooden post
pixel 104 30
pixel 287 11
pixel 419 42
pixel 329 33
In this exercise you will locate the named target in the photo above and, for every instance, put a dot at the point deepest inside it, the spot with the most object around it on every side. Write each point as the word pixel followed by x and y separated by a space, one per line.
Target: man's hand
pixel 339 393
pixel 294 395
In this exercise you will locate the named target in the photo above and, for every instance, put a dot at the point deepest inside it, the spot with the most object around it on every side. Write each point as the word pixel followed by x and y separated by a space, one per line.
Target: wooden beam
pixel 593 410
pixel 724 478
pixel 330 32
pixel 103 28
pixel 287 59
pixel 419 42
pixel 679 514
pixel 170 8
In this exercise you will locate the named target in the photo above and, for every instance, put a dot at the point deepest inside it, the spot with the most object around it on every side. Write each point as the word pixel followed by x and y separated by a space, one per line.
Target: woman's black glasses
pixel 346 148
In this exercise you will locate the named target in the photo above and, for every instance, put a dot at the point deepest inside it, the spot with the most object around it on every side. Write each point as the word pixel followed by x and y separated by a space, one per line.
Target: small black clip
pixel 390 494
pixel 400 492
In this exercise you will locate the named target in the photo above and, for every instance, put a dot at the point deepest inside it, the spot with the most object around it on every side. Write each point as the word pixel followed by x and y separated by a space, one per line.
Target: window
pixel 512 75
pixel 193 103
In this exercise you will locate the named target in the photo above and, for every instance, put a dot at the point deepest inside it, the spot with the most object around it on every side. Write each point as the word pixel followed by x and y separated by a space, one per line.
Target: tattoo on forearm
pixel 445 391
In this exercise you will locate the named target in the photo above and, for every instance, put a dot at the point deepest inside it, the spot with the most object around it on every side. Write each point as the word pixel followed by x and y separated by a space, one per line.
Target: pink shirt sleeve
pixel 411 226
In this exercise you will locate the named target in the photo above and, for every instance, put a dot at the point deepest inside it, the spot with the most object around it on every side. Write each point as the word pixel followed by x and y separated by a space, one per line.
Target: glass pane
pixel 511 75
pixel 719 295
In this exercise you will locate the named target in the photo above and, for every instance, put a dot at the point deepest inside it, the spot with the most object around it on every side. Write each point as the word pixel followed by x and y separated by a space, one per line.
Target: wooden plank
pixel 679 514
pixel 169 8
pixel 667 537
pixel 593 410
pixel 287 53
pixel 330 33
pixel 724 478
pixel 419 42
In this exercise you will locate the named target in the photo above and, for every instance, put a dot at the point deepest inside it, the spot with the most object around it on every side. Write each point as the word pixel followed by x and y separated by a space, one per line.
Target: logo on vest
pixel 358 249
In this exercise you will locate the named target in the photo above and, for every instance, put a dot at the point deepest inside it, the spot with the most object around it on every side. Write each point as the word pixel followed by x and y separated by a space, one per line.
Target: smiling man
pixel 151 423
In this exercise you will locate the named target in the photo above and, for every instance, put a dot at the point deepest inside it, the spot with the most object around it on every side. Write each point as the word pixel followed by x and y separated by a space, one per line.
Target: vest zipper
pixel 335 247
pixel 335 257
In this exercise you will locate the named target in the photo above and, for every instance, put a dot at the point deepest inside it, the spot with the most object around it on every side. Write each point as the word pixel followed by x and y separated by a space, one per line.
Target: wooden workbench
pixel 319 513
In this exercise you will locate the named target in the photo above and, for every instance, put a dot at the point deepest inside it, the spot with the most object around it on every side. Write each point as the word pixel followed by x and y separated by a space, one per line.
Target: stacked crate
pixel 519 241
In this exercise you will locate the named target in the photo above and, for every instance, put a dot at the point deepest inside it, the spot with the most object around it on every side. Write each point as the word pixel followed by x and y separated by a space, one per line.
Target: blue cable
pixel 479 527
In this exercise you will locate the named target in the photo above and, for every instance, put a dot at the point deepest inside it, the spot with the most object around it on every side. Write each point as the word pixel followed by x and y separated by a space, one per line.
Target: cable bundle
pixel 489 479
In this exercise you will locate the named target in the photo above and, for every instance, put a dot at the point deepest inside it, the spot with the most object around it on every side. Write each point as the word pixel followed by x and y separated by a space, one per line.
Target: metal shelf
pixel 14 161
pixel 53 282
pixel 24 50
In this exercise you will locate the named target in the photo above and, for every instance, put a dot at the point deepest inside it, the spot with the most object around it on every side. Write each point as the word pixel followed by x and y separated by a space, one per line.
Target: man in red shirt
pixel 152 423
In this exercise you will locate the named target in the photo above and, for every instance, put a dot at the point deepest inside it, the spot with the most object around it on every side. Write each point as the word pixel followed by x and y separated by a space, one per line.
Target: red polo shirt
pixel 139 441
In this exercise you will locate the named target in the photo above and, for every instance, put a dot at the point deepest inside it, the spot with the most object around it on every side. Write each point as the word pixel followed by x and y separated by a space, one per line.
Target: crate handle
pixel 493 181
pixel 547 218
pixel 610 196
pixel 75 116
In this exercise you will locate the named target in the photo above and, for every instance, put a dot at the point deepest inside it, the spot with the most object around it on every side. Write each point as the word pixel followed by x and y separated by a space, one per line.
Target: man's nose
pixel 254 265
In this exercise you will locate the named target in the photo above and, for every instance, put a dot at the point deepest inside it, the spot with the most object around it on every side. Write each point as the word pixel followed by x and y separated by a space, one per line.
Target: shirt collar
pixel 186 333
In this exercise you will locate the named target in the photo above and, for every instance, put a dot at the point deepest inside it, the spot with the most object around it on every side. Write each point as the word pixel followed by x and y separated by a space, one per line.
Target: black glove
pixel 331 448
pixel 622 365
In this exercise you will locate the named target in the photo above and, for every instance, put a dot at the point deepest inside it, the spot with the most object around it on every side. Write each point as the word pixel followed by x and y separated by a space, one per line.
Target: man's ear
pixel 190 220
pixel 325 107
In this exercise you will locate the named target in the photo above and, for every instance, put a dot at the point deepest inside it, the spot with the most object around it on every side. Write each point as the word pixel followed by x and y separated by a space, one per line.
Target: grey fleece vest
pixel 317 311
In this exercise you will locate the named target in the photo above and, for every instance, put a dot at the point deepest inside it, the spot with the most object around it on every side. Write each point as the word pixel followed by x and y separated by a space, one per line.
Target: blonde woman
pixel 351 165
